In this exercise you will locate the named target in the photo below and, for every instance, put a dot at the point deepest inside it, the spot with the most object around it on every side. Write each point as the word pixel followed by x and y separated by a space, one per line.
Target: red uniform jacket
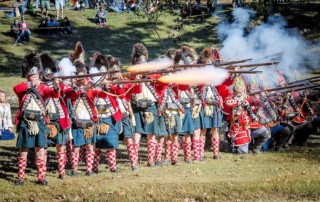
pixel 21 91
pixel 91 95
pixel 115 89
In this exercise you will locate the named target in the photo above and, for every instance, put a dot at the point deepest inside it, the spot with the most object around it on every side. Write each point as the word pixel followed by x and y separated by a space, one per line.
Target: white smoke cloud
pixel 208 75
pixel 65 69
pixel 268 39
pixel 94 70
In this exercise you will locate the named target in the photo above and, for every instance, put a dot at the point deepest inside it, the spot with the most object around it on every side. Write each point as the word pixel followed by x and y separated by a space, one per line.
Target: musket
pixel 166 71
pixel 311 79
pixel 217 65
pixel 132 81
pixel 189 66
pixel 85 75
pixel 297 89
pixel 231 62
pixel 244 72
pixel 275 89
pixel 252 65
pixel 131 74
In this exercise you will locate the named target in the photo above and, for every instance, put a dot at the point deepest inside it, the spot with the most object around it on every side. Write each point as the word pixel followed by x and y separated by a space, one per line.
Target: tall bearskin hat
pixel 168 53
pixel 139 54
pixel 100 62
pixel 205 56
pixel 30 65
pixel 114 63
pixel 189 54
pixel 215 55
pixel 48 65
pixel 81 68
pixel 178 58
pixel 253 83
pixel 78 53
pixel 239 85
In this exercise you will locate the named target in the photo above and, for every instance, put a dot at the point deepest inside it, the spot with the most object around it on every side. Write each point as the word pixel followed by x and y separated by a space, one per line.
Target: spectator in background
pixel 196 9
pixel 15 12
pixel 42 28
pixel 101 17
pixel 22 6
pixel 16 32
pixel 79 6
pixel 37 4
pixel 119 6
pixel 59 4
pixel 6 126
pixel 132 6
pixel 53 27
pixel 25 30
pixel 65 26
pixel 86 3
pixel 45 4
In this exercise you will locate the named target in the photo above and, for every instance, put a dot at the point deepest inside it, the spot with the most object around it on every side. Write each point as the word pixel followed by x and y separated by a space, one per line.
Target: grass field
pixel 118 38
pixel 289 176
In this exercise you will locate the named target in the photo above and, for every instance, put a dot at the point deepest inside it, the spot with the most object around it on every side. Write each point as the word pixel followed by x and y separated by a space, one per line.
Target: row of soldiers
pixel 92 117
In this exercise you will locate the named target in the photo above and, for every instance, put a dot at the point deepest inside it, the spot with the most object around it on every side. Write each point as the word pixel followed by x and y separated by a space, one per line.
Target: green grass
pixel 117 39
pixel 293 175
pixel 290 176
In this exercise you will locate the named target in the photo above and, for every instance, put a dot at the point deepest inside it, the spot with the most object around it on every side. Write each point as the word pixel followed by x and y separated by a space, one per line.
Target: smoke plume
pixel 269 41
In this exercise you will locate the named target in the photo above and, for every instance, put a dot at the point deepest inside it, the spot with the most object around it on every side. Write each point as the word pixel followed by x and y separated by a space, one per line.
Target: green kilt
pixel 25 140
pixel 141 126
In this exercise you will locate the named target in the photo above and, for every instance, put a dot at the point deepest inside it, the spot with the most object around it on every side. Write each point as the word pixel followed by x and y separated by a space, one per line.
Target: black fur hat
pixel 205 56
pixel 81 68
pixel 177 57
pixel 78 53
pixel 139 54
pixel 114 63
pixel 99 61
pixel 47 64
pixel 31 60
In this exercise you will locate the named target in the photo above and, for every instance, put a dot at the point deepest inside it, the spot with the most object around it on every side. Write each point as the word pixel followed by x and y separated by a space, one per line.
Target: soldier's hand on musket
pixel 74 81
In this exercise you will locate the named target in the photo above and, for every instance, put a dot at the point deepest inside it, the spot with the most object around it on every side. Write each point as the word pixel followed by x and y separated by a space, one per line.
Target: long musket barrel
pixel 133 81
pixel 232 62
pixel 244 72
pixel 126 74
pixel 252 65
pixel 275 89
pixel 85 75
pixel 311 79
pixel 297 89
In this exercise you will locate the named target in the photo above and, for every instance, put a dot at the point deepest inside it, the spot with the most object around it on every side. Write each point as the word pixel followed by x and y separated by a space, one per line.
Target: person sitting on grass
pixel 42 28
pixel 79 6
pixel 65 26
pixel 16 32
pixel 25 30
pixel 101 17
pixel 132 6
pixel 53 27
pixel 6 126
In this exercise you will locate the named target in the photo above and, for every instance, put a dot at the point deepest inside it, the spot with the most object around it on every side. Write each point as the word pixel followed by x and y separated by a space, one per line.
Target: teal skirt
pixel 25 140
pixel 109 140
